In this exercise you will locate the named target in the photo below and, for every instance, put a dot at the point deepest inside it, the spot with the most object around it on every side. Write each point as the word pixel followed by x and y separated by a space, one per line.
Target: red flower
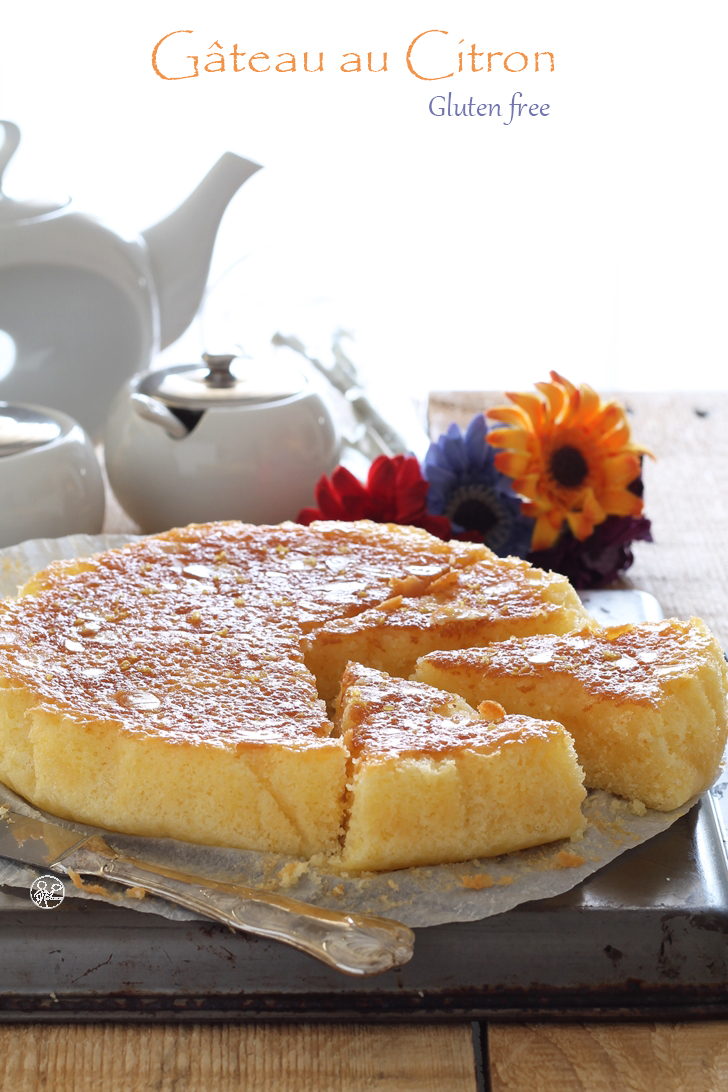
pixel 395 492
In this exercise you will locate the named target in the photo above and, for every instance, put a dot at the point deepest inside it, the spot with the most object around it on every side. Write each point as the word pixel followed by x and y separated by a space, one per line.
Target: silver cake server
pixel 357 944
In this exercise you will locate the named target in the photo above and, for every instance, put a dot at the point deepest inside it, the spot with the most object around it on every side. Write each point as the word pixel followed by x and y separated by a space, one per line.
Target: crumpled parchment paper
pixel 466 891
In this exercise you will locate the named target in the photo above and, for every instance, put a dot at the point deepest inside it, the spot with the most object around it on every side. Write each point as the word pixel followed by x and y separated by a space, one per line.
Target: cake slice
pixel 432 780
pixel 488 600
pixel 645 704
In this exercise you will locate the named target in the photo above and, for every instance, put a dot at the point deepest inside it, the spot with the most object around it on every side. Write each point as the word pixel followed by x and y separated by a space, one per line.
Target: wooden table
pixel 687 569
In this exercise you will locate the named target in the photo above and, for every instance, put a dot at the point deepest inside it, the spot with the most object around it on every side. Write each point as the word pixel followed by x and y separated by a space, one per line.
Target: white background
pixel 465 252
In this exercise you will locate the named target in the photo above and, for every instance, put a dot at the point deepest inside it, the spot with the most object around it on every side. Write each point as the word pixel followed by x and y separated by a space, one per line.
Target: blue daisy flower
pixel 466 487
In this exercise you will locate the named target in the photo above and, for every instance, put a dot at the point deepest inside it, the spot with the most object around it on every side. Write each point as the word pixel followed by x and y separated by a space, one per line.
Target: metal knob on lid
pixel 220 374
pixel 225 381
pixel 23 428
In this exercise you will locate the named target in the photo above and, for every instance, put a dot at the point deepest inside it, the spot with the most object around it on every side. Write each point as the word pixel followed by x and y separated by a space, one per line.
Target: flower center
pixel 568 466
pixel 475 515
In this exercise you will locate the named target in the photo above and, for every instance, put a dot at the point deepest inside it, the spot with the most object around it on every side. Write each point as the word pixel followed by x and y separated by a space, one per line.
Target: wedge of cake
pixel 645 704
pixel 488 600
pixel 432 780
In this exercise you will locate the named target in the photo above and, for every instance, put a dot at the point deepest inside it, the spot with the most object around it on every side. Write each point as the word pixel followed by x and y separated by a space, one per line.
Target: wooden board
pixel 609 1058
pixel 229 1058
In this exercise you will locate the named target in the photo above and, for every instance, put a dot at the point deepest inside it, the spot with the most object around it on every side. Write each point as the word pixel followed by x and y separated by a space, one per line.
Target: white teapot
pixel 82 309
pixel 233 439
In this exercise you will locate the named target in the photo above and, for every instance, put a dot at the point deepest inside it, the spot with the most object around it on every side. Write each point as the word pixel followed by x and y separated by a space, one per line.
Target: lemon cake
pixel 645 704
pixel 430 779
pixel 178 686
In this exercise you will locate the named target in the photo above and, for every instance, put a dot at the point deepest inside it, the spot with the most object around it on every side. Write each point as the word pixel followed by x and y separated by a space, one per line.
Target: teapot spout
pixel 180 246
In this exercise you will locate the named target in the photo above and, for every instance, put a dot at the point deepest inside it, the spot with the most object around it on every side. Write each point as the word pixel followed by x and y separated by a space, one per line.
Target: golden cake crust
pixel 629 663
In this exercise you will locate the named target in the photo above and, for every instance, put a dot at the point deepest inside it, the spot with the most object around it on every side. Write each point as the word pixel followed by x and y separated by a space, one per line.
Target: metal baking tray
pixel 645 937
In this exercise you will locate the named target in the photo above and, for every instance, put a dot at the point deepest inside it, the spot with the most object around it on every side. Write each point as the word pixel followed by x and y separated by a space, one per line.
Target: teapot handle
pixel 9 146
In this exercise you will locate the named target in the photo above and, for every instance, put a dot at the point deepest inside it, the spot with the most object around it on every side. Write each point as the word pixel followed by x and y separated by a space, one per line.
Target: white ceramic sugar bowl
pixel 232 439
pixel 50 479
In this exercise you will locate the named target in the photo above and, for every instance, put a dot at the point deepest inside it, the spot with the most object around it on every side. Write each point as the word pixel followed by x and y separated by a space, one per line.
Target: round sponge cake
pixel 178 686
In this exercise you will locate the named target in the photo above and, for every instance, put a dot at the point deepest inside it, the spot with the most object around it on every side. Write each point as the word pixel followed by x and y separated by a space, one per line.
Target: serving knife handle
pixel 357 944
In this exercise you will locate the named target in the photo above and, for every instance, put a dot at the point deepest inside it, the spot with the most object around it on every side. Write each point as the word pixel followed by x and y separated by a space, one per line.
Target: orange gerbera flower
pixel 570 455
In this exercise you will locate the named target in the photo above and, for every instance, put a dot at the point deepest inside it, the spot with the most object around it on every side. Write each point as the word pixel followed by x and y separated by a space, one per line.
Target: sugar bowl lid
pixel 225 381
pixel 25 427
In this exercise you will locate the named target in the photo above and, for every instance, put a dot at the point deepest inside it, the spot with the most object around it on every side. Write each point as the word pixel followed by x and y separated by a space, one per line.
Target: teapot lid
pixel 228 380
pixel 25 427
pixel 11 210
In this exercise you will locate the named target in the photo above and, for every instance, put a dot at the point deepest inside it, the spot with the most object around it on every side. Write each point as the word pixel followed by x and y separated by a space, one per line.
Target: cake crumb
pixel 90 888
pixel 97 889
pixel 338 890
pixel 478 881
pixel 566 859
pixel 393 884
pixel 637 807
pixel 291 873
pixel 504 881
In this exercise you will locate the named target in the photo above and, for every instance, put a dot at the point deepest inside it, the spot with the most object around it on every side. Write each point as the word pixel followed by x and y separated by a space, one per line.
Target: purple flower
pixel 600 558
pixel 466 487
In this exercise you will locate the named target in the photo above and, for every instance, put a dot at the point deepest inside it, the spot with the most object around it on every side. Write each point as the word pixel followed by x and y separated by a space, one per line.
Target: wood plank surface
pixel 233 1058
pixel 609 1058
